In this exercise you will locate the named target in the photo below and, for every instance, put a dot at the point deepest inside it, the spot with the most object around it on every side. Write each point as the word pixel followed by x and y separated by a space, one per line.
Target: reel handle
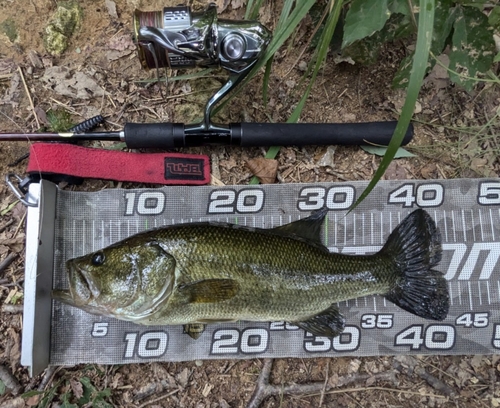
pixel 173 135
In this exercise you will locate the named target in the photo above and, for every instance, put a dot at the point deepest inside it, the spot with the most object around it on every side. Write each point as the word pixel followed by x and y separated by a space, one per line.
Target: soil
pixel 101 48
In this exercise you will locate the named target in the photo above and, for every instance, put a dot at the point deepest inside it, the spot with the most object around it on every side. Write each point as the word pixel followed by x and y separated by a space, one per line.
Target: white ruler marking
pixel 374 304
pixel 363 229
pixel 473 225
pixel 445 226
pixel 481 224
pixel 463 226
pixel 488 292
pixel 382 228
pixel 451 293
pixel 371 227
pixel 336 228
pixel 459 293
pixel 480 294
pixel 453 226
pixel 354 229
pixel 491 224
pixel 470 295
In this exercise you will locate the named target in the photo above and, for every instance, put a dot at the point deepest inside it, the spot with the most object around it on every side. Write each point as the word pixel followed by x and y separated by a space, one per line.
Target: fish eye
pixel 98 259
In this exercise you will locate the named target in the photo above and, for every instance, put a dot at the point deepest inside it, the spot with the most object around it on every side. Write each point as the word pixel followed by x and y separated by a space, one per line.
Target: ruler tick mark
pixel 481 224
pixel 480 295
pixel 488 292
pixel 470 295
pixel 451 293
pixel 463 226
pixel 459 293
pixel 453 226
pixel 492 227
pixel 445 226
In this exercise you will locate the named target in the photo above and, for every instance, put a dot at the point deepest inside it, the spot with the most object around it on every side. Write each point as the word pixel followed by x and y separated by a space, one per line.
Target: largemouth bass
pixel 199 273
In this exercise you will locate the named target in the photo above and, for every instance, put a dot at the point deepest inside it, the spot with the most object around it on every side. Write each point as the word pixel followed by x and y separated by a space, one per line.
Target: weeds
pixel 462 25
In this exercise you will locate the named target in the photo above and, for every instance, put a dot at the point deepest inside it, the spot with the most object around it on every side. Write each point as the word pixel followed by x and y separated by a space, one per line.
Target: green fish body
pixel 193 274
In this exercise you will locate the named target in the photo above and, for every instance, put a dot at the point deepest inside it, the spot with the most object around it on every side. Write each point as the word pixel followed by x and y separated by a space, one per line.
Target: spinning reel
pixel 179 38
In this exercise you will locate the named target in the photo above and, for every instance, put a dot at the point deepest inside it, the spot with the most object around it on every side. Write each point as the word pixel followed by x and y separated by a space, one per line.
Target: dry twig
pixel 412 367
pixel 264 390
pixel 29 97
pixel 7 261
pixel 12 309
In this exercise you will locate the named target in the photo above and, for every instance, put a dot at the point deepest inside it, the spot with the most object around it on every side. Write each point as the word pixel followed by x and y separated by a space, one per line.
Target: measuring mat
pixel 68 224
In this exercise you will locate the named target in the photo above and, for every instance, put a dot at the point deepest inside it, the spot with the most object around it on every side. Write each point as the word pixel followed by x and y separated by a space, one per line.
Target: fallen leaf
pixel 12 95
pixel 380 151
pixel 15 347
pixel 429 171
pixel 77 85
pixel 222 5
pixel 395 172
pixel 119 47
pixel 7 66
pixel 236 4
pixel 76 388
pixel 264 169
pixel 327 160
pixel 111 6
pixel 183 377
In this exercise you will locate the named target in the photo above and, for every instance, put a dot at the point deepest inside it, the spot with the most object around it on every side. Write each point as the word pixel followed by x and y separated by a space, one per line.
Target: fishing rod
pixel 178 38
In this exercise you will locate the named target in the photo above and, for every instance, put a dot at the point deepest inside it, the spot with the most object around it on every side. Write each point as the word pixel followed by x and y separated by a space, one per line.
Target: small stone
pixel 302 66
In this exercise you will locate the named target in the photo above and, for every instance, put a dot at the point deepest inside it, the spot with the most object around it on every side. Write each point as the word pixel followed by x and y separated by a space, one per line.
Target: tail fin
pixel 416 247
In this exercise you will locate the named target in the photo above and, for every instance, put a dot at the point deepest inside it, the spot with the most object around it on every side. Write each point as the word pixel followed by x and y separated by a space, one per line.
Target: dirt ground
pixel 447 145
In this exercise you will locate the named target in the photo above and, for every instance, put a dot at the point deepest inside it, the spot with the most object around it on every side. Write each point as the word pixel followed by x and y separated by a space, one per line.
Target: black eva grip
pixel 154 135
pixel 303 134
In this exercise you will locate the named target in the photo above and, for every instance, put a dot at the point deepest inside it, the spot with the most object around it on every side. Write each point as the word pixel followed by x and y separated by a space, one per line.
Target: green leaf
pixel 494 18
pixel 473 47
pixel 364 18
pixel 443 23
pixel 474 3
pixel 2 387
pixel 252 9
pixel 497 58
pixel 399 7
pixel 382 150
pixel 367 50
pixel 424 39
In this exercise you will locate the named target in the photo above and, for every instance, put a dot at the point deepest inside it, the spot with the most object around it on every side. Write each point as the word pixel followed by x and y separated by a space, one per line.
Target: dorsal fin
pixel 308 228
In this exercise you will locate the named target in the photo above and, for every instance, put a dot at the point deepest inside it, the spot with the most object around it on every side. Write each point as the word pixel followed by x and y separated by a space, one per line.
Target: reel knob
pixel 233 47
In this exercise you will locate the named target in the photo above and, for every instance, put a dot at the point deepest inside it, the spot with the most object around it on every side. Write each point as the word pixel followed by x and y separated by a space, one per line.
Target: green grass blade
pixel 252 9
pixel 265 81
pixel 321 53
pixel 279 37
pixel 424 38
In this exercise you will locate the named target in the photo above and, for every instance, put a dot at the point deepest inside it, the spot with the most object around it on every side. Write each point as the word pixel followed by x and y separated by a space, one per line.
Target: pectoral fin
pixel 209 290
pixel 329 323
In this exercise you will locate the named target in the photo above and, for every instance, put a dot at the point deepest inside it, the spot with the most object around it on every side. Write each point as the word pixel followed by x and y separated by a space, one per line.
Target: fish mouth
pixel 80 289
pixel 63 296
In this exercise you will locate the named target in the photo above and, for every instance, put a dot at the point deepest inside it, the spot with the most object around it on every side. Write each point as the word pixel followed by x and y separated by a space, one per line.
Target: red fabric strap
pixel 158 168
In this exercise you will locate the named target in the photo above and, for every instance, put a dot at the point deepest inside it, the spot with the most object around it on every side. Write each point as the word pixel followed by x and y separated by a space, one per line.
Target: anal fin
pixel 329 323
pixel 194 330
